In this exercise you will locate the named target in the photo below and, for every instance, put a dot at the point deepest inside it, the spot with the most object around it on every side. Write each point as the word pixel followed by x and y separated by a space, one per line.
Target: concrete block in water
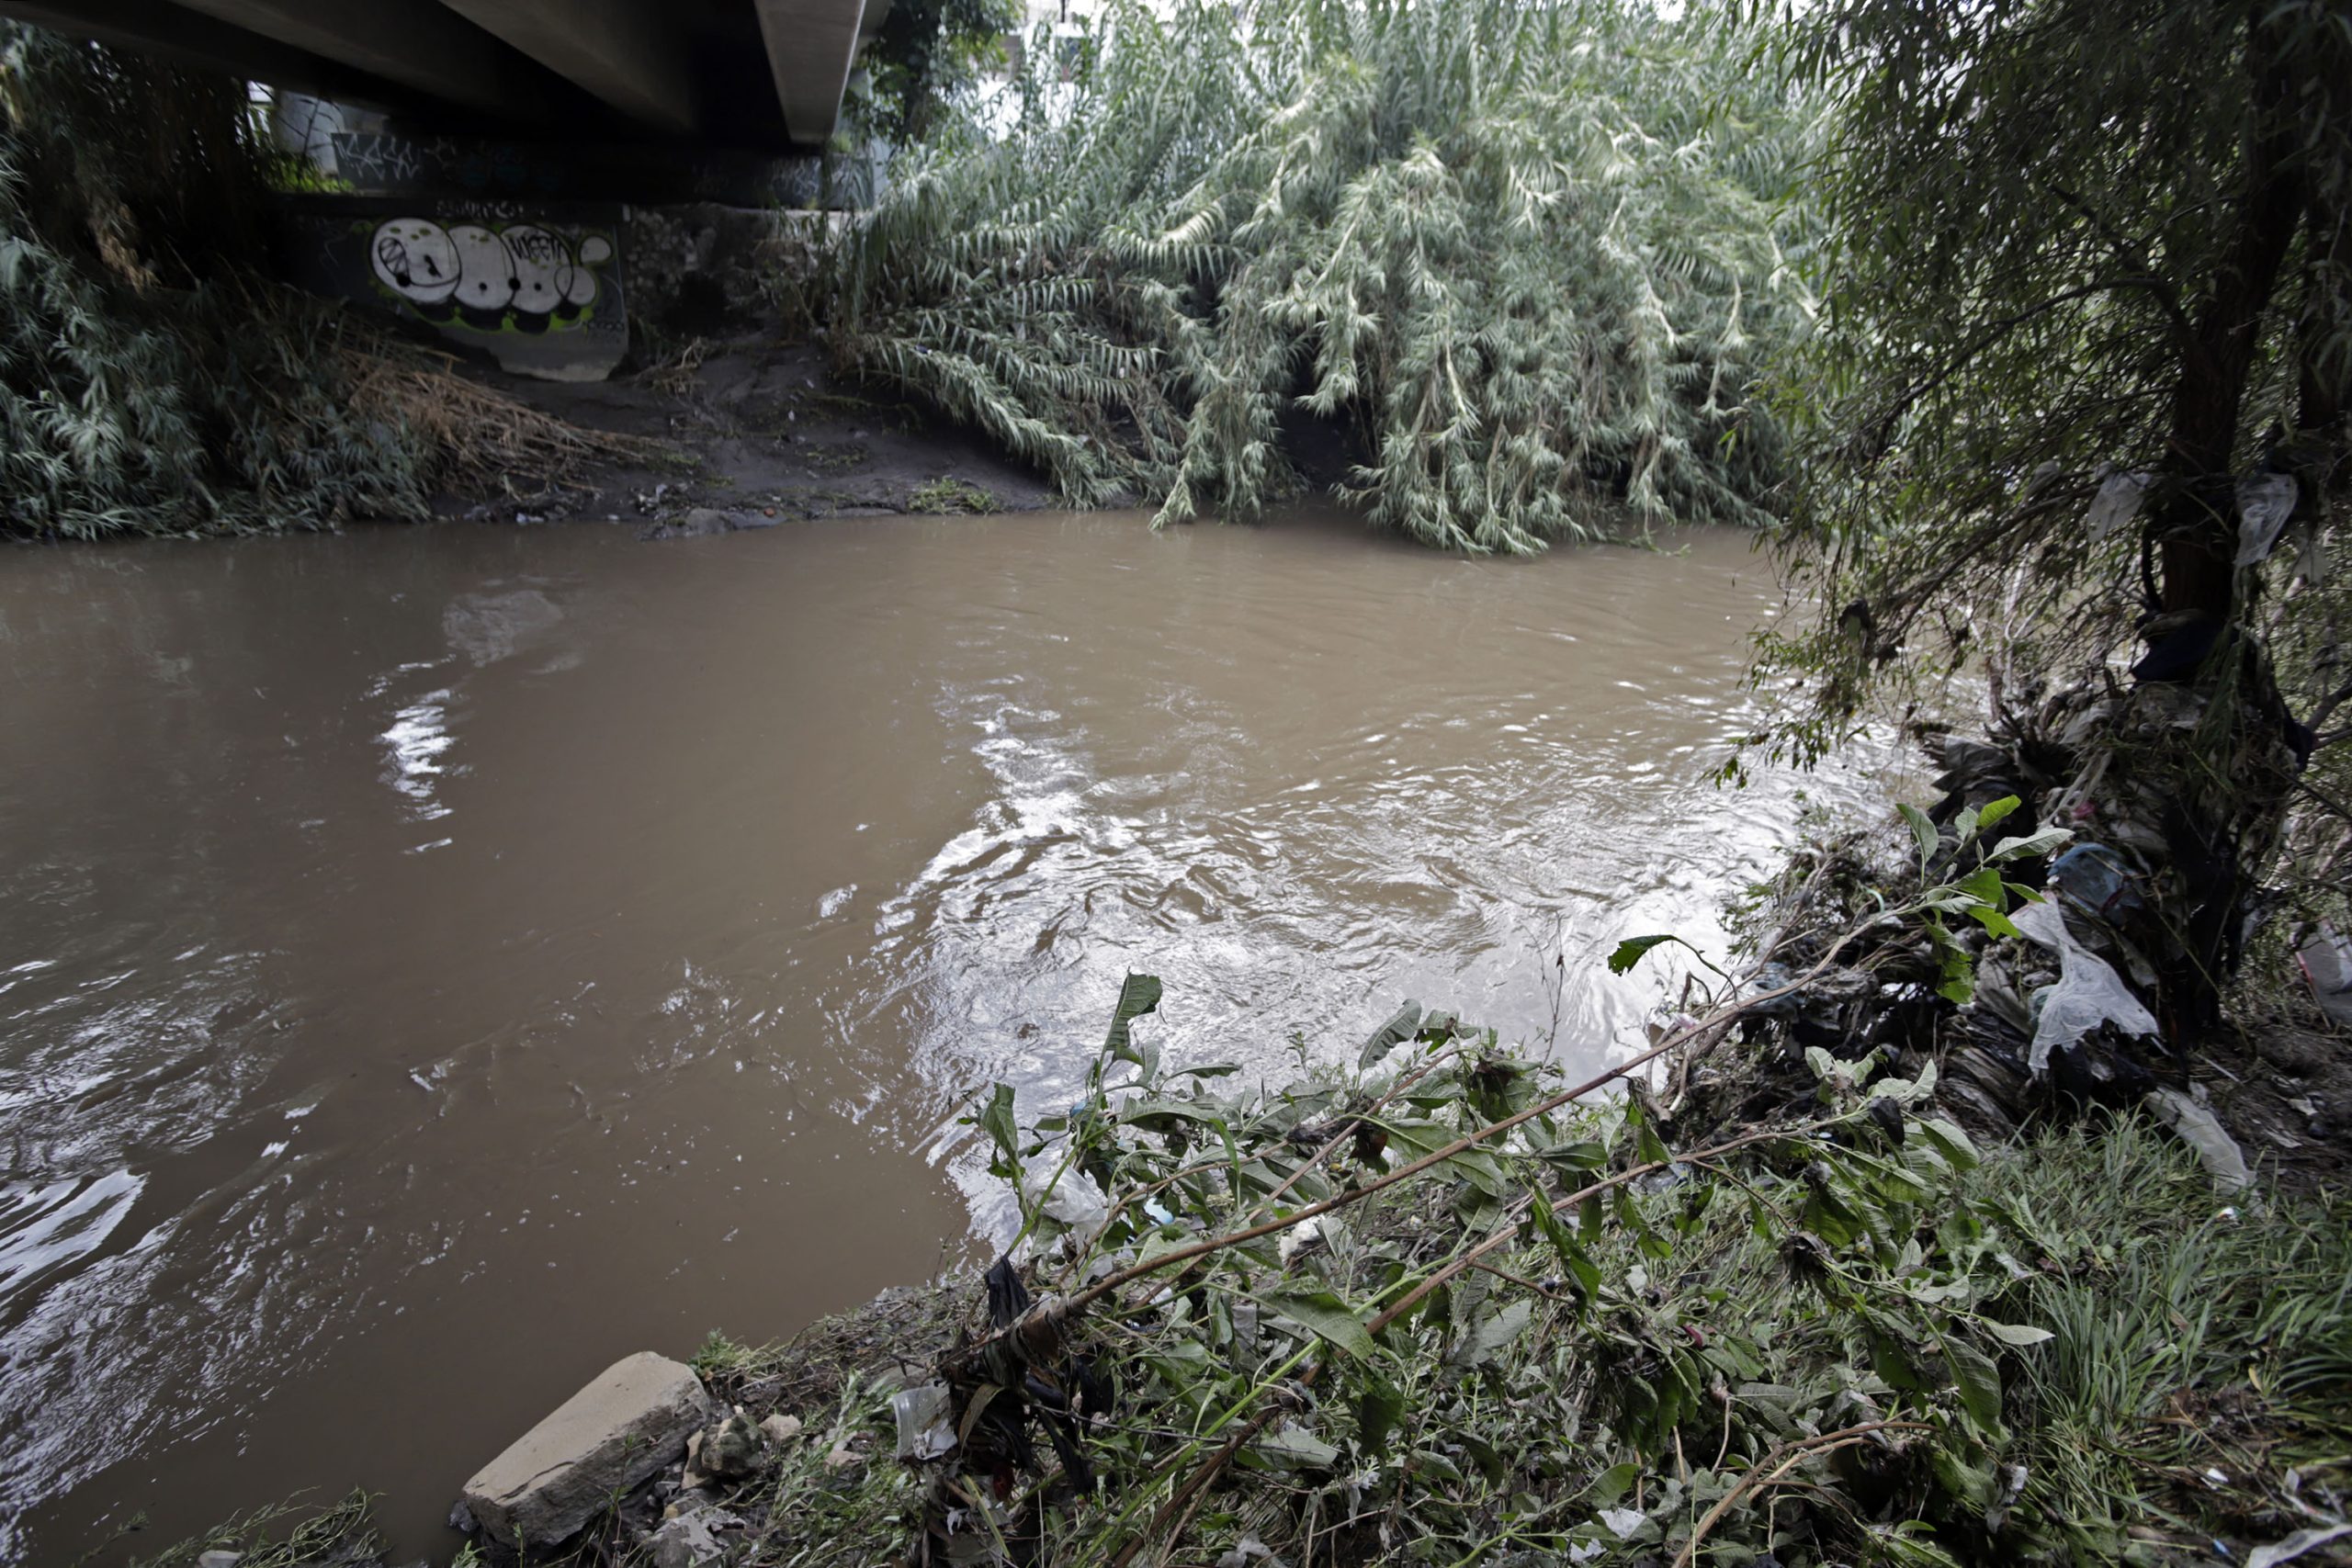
pixel 629 1422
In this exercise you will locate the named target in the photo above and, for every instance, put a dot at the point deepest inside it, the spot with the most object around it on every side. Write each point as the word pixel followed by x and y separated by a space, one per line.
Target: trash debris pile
pixel 2108 990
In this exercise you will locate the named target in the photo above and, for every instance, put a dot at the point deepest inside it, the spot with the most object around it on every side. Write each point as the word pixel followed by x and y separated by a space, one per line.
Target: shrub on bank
pixel 153 379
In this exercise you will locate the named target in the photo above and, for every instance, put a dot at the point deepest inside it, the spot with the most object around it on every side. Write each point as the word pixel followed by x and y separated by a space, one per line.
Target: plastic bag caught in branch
pixel 2117 503
pixel 1073 1200
pixel 2089 992
pixel 2265 502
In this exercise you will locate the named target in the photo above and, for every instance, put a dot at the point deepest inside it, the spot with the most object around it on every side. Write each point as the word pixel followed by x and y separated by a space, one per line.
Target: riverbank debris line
pixel 1838 1339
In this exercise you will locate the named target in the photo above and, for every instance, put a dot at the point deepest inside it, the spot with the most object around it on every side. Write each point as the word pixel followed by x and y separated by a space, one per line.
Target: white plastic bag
pixel 1075 1200
pixel 2089 992
pixel 2265 502
pixel 2117 503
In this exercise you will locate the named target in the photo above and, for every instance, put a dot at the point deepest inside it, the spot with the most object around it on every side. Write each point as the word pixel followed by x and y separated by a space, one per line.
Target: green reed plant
pixel 1529 255
pixel 151 379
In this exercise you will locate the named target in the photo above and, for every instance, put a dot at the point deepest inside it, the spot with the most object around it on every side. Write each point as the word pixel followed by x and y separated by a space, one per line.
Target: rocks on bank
pixel 644 1451
pixel 632 1421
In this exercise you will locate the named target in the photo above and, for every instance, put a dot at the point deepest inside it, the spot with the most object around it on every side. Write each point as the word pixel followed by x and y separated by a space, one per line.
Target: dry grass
pixel 483 439
pixel 676 375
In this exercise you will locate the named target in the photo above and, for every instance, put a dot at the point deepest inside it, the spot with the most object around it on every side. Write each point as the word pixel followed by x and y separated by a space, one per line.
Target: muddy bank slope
pixel 755 432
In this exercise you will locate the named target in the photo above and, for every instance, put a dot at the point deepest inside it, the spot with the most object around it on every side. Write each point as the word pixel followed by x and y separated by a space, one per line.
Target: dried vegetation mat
pixel 481 439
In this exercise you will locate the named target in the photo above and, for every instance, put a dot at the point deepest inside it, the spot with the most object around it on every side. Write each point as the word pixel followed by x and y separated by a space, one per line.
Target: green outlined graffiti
pixel 514 278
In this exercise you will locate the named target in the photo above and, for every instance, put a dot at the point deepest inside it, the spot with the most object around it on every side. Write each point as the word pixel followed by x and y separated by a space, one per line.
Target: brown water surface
pixel 435 961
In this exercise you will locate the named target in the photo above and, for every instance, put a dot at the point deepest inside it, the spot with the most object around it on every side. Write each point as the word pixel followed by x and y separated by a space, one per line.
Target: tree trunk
pixel 2229 784
pixel 2197 526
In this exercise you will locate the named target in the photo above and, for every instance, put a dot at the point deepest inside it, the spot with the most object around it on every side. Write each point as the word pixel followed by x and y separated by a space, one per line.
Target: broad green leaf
pixel 1983 885
pixel 1493 1335
pixel 1993 921
pixel 1488 1459
pixel 2016 1333
pixel 1155 1115
pixel 1996 811
pixel 1137 995
pixel 1399 1027
pixel 1890 1181
pixel 1630 950
pixel 1418 1140
pixel 1181 1363
pixel 1431 1462
pixel 1294 1446
pixel 1951 1142
pixel 1580 1154
pixel 1379 1408
pixel 1326 1314
pixel 1582 1272
pixel 1963 1479
pixel 995 1120
pixel 1923 830
pixel 2034 844
pixel 1611 1484
pixel 1978 1380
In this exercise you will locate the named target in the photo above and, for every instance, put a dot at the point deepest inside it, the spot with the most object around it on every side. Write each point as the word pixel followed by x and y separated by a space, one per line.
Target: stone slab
pixel 629 1422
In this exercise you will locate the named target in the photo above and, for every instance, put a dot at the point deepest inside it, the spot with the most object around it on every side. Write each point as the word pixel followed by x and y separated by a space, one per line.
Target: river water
pixel 437 961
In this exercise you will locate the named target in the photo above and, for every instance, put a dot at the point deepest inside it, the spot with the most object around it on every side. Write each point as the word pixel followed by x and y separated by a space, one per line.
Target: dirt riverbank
pixel 762 433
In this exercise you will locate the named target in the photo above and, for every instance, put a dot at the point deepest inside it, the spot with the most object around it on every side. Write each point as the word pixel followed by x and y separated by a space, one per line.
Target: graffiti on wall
pixel 540 286
pixel 525 277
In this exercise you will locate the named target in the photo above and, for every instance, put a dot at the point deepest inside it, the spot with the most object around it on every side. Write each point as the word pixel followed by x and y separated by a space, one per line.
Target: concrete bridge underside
pixel 764 75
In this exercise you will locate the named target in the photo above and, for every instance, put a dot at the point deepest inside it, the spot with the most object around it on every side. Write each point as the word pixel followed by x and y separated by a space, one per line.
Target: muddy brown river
pixel 437 961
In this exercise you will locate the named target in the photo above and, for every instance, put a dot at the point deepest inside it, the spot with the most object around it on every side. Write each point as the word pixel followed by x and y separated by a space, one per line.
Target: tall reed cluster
pixel 1532 256
pixel 151 380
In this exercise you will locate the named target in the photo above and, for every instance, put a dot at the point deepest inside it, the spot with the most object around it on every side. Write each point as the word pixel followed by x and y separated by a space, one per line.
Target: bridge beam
pixel 628 54
pixel 811 45
pixel 416 44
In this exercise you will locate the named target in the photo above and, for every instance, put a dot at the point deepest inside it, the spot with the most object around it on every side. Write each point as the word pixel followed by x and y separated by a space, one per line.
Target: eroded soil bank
pixel 754 430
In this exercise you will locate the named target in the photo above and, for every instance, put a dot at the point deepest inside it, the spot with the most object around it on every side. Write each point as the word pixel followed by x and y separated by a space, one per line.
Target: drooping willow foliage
pixel 2078 244
pixel 150 380
pixel 1528 253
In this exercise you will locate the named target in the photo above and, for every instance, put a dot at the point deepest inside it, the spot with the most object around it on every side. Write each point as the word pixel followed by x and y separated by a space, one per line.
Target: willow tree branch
pixel 2129 254
pixel 1994 333
pixel 2326 709
pixel 1786 1457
